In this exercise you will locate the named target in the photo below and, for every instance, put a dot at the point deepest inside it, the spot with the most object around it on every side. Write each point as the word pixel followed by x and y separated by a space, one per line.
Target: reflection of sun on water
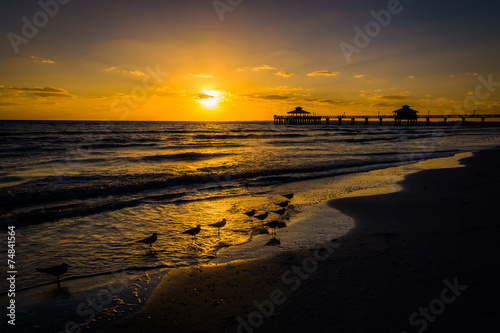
pixel 210 99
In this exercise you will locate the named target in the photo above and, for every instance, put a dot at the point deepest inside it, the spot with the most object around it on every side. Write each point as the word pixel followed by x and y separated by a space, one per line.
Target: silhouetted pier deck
pixel 326 120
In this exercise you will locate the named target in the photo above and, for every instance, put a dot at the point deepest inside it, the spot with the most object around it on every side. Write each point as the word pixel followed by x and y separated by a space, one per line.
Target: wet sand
pixel 422 259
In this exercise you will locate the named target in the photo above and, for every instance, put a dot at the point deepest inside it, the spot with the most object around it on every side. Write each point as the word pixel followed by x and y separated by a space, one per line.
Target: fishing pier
pixel 403 115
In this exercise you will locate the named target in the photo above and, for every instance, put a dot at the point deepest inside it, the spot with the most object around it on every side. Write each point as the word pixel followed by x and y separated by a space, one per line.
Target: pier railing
pixel 326 120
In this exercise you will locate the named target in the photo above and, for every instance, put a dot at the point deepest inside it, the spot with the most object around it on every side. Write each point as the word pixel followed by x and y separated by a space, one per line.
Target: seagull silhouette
pixel 55 270
pixel 280 212
pixel 289 196
pixel 193 231
pixel 149 240
pixel 250 213
pixel 262 217
pixel 218 225
pixel 283 204
pixel 273 225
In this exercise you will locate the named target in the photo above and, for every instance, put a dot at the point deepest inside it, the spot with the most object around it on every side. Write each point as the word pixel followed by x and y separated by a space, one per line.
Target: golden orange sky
pixel 186 62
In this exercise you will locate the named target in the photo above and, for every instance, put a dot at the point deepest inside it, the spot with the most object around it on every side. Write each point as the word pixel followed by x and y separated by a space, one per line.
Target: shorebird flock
pixel 63 268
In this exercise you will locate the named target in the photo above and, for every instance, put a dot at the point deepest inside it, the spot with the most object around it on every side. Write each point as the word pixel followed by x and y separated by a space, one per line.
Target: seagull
pixel 149 240
pixel 193 231
pixel 55 270
pixel 250 213
pixel 273 225
pixel 289 196
pixel 262 217
pixel 280 212
pixel 218 225
pixel 283 204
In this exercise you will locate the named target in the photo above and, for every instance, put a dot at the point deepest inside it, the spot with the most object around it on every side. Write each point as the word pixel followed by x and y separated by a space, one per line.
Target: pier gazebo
pixel 298 112
pixel 405 113
pixel 298 116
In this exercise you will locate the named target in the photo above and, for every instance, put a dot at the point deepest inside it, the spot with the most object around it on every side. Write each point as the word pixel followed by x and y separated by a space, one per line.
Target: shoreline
pixel 363 274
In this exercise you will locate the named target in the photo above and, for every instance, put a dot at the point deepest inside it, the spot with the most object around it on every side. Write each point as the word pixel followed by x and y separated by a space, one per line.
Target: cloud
pixel 115 69
pixel 43 92
pixel 38 89
pixel 284 74
pixel 204 96
pixel 52 95
pixel 257 68
pixel 138 73
pixel 382 105
pixel 393 97
pixel 411 77
pixel 443 99
pixel 287 88
pixel 329 101
pixel 262 68
pixel 360 76
pixel 202 75
pixel 42 60
pixel 324 73
pixel 463 75
pixel 269 97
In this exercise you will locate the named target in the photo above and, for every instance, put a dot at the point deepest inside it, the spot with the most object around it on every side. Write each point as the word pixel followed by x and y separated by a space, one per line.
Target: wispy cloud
pixel 287 88
pixel 115 69
pixel 40 60
pixel 262 68
pixel 329 101
pixel 392 97
pixel 202 75
pixel 268 97
pixel 257 68
pixel 360 76
pixel 411 77
pixel 324 73
pixel 382 105
pixel 42 91
pixel 204 96
pixel 284 74
pixel 463 75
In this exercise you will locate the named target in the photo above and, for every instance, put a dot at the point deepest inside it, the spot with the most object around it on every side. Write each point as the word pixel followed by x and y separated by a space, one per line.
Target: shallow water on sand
pixel 93 301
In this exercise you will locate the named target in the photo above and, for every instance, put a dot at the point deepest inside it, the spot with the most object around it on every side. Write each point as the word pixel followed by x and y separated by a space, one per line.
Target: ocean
pixel 83 193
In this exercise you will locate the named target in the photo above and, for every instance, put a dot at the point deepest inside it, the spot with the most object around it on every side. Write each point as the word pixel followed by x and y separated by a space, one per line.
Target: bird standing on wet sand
pixel 149 240
pixel 280 212
pixel 250 213
pixel 289 196
pixel 283 204
pixel 273 225
pixel 193 231
pixel 262 217
pixel 218 225
pixel 55 270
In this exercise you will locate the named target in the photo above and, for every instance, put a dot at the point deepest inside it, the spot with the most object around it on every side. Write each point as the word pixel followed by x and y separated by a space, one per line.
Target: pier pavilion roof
pixel 298 110
pixel 406 110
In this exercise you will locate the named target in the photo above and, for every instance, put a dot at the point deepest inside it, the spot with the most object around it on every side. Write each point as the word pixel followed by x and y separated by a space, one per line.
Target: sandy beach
pixel 422 259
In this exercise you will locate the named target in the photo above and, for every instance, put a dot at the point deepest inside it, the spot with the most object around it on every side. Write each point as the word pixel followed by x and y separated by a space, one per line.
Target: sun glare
pixel 210 99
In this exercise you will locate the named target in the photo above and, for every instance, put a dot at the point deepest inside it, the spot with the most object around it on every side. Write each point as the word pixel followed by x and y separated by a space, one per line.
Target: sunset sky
pixel 245 60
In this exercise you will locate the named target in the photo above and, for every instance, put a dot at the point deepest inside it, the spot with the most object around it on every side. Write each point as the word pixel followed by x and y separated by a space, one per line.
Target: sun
pixel 210 99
